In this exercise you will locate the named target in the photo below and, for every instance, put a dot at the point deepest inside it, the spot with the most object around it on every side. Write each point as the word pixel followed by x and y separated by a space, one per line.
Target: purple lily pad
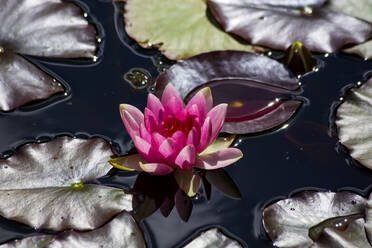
pixel 302 220
pixel 278 24
pixel 251 84
pixel 49 28
pixel 122 231
pixel 43 185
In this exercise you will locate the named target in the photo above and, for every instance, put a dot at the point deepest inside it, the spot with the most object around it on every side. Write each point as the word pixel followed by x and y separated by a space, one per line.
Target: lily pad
pixel 300 221
pixel 213 238
pixel 180 29
pixel 251 84
pixel 358 8
pixel 122 231
pixel 355 111
pixel 42 185
pixel 278 24
pixel 49 28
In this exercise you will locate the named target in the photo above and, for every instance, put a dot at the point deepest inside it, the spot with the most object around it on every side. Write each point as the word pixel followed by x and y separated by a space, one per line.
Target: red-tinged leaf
pixel 251 84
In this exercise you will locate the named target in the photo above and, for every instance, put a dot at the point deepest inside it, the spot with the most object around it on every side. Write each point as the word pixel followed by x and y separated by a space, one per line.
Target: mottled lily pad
pixel 301 220
pixel 355 111
pixel 42 185
pixel 122 231
pixel 278 24
pixel 180 29
pixel 48 28
pixel 213 238
pixel 251 84
pixel 358 8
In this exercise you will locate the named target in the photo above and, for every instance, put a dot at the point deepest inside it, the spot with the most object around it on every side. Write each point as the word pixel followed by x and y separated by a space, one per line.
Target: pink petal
pixel 217 115
pixel 218 159
pixel 156 168
pixel 132 119
pixel 203 100
pixel 175 107
pixel 194 110
pixel 168 150
pixel 186 158
pixel 143 147
pixel 179 139
pixel 128 163
pixel 154 104
pixel 206 133
pixel 157 139
pixel 144 134
pixel 151 122
pixel 168 93
pixel 193 137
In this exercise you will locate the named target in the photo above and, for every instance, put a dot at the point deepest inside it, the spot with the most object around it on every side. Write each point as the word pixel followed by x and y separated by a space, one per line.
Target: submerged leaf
pixel 183 204
pixel 279 24
pixel 42 185
pixel 122 231
pixel 251 84
pixel 180 29
pixel 188 180
pixel 355 111
pixel 289 221
pixel 49 28
pixel 213 238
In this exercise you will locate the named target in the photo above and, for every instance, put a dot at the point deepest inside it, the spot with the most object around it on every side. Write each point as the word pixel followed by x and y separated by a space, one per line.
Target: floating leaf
pixel 42 185
pixel 278 24
pixel 252 85
pixel 368 224
pixel 358 8
pixel 49 28
pixel 213 238
pixel 355 111
pixel 180 29
pixel 289 221
pixel 122 231
pixel 354 236
pixel 223 182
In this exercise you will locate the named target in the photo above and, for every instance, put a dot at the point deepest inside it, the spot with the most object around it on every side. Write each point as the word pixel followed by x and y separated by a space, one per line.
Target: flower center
pixel 172 125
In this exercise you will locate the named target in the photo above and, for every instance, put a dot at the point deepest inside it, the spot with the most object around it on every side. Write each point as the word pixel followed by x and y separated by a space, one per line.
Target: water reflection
pixel 152 193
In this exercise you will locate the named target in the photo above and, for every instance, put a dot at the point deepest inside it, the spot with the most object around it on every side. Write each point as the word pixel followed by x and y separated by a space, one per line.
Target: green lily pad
pixel 358 8
pixel 122 231
pixel 180 29
pixel 43 185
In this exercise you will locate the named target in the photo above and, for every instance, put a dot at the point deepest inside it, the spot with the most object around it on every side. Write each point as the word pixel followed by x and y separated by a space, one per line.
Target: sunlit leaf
pixel 251 84
pixel 219 144
pixel 360 9
pixel 213 238
pixel 278 24
pixel 354 112
pixel 49 28
pixel 223 182
pixel 288 222
pixel 43 185
pixel 122 231
pixel 180 29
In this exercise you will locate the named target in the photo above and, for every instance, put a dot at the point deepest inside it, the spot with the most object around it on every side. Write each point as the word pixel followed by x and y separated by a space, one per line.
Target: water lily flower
pixel 172 137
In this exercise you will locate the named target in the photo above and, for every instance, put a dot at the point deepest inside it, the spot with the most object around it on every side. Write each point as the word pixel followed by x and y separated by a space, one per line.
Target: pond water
pixel 304 155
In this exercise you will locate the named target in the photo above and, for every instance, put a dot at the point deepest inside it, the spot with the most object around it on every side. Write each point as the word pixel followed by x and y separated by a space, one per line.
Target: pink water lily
pixel 170 136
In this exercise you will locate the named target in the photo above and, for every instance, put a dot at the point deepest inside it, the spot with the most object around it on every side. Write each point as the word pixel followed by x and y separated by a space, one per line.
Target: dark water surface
pixel 302 156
